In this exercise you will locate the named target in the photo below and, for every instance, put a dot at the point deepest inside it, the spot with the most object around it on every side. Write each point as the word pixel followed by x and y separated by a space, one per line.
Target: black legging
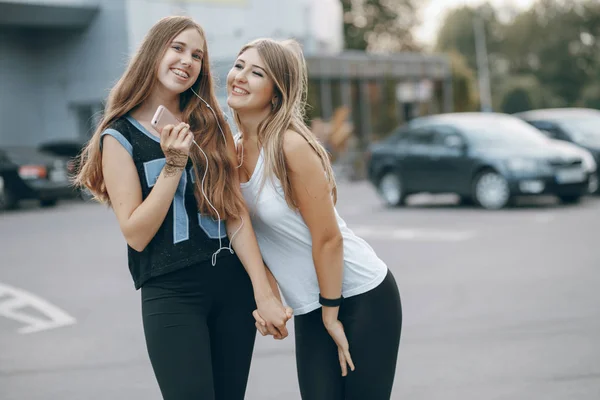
pixel 372 322
pixel 200 331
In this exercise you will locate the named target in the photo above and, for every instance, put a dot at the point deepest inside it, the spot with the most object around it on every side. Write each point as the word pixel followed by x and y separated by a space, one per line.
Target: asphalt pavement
pixel 497 305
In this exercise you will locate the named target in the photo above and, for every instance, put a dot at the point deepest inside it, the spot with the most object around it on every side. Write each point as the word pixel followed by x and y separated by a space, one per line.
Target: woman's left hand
pixel 273 316
pixel 261 324
pixel 336 331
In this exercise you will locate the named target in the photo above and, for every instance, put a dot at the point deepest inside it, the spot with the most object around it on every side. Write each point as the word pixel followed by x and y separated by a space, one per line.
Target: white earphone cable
pixel 214 256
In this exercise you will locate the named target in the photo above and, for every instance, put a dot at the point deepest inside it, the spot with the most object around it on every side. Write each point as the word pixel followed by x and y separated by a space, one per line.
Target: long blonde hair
pixel 135 86
pixel 285 65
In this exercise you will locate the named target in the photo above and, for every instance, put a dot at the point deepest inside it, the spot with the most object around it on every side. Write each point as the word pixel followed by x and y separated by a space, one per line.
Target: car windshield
pixel 501 132
pixel 584 130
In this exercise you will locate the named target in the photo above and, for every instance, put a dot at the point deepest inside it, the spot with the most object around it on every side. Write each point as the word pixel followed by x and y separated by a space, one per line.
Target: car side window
pixel 549 129
pixel 396 137
pixel 448 137
pixel 422 137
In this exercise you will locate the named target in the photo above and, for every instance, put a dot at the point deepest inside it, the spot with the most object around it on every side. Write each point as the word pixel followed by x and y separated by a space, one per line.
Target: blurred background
pixel 465 135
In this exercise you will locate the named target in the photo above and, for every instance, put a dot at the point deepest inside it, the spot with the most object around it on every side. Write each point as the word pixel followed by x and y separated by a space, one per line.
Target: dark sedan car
pixel 30 174
pixel 580 126
pixel 69 149
pixel 9 177
pixel 486 158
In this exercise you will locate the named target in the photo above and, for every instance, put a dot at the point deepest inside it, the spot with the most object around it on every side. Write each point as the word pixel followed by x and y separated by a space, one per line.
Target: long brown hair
pixel 285 65
pixel 135 86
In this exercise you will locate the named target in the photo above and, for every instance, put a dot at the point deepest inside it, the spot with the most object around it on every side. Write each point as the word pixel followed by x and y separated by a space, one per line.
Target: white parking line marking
pixel 17 299
pixel 435 235
pixel 543 218
pixel 350 211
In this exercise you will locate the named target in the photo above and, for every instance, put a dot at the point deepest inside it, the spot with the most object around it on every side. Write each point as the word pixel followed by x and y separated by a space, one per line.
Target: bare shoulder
pixel 296 149
pixel 293 142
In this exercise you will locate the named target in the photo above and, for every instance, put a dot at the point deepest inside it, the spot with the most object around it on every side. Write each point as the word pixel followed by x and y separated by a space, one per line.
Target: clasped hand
pixel 333 326
pixel 271 318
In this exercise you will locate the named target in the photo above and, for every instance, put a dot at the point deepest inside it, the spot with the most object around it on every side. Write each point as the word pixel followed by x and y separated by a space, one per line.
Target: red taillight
pixel 33 172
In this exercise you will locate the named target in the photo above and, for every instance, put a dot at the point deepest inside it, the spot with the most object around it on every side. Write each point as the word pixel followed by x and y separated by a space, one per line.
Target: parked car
pixel 69 149
pixel 485 158
pixel 9 180
pixel 589 162
pixel 580 126
pixel 30 174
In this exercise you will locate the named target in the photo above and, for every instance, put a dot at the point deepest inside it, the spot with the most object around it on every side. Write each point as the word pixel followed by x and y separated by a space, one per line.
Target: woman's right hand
pixel 175 142
pixel 273 315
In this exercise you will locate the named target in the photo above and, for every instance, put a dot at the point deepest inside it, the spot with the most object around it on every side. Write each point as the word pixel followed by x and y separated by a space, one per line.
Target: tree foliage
pixel 380 25
pixel 545 56
pixel 464 90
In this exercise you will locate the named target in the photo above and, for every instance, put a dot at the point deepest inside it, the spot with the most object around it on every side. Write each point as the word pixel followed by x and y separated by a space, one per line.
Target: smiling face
pixel 249 88
pixel 182 62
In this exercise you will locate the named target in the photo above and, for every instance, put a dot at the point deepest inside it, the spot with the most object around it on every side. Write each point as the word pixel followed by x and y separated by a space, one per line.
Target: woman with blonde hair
pixel 345 300
pixel 176 197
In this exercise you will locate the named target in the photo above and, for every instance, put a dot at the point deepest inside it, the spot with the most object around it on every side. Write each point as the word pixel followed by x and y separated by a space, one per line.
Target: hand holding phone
pixel 176 140
pixel 163 117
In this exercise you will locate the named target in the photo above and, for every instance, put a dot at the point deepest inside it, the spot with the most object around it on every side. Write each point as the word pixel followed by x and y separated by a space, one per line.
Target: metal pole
pixel 483 71
pixel 326 100
pixel 365 113
pixel 346 88
pixel 448 94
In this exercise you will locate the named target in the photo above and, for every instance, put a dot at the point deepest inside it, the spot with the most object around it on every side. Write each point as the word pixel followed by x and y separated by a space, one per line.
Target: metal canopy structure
pixel 361 81
pixel 358 64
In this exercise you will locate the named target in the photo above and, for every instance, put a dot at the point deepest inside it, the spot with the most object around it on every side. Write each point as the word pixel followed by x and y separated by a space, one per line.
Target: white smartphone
pixel 163 117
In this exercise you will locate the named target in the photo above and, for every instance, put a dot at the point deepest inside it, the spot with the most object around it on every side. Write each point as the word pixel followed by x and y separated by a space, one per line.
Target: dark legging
pixel 372 322
pixel 200 331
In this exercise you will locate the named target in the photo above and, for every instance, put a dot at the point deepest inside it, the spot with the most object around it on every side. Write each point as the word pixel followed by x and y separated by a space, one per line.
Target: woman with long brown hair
pixel 347 310
pixel 176 196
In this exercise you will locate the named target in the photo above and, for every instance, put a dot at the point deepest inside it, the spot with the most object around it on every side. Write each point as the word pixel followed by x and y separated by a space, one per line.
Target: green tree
pixel 590 98
pixel 546 56
pixel 517 100
pixel 456 33
pixel 558 42
pixel 464 87
pixel 525 92
pixel 380 25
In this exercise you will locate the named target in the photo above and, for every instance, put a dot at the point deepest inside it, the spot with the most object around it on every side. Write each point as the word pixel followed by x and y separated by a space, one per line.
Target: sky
pixel 433 14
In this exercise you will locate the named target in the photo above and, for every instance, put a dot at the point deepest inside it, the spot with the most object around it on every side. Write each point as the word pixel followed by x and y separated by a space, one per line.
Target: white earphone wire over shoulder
pixel 214 256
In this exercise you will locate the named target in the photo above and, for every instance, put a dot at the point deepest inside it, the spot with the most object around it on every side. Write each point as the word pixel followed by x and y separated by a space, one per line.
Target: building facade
pixel 59 58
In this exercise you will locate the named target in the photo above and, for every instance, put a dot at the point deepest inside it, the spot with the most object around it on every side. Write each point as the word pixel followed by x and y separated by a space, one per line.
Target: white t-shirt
pixel 286 246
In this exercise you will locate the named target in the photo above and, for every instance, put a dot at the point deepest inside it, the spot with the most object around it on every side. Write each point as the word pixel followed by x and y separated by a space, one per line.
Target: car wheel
pixel 390 189
pixel 572 199
pixel 48 202
pixel 491 191
pixel 593 184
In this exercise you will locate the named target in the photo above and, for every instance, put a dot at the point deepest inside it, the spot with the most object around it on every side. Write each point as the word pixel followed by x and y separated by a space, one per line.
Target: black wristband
pixel 330 302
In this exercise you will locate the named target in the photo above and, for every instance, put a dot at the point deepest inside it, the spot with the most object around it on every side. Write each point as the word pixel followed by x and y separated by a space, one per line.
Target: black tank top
pixel 185 237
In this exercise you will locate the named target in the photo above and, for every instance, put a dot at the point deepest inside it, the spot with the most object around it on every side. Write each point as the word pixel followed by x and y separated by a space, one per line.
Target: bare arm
pixel 274 284
pixel 139 220
pixel 246 247
pixel 312 194
pixel 260 322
